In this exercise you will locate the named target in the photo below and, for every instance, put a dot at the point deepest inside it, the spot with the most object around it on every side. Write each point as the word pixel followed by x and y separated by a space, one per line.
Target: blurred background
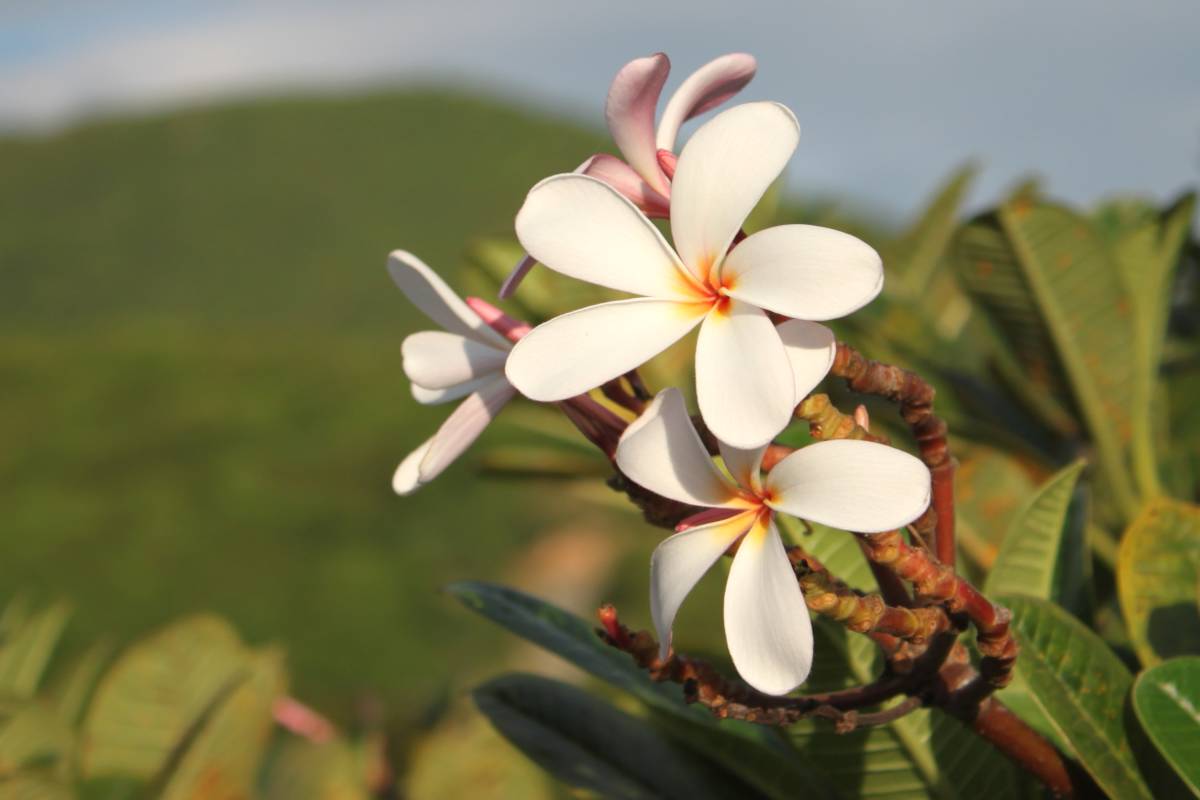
pixel 201 401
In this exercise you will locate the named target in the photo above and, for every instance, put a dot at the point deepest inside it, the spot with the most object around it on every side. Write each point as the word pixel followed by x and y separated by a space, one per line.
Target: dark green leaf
pixel 1166 699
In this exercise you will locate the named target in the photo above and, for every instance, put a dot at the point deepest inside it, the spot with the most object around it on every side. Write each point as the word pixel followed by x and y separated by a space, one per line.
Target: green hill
pixel 202 398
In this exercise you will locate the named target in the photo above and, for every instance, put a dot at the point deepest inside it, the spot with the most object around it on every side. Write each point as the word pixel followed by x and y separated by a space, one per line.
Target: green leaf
pixel 33 786
pixel 919 251
pixel 590 745
pixel 1158 567
pixel 303 770
pixel 1166 699
pixel 33 735
pixel 221 760
pixel 73 688
pixel 1052 288
pixel 154 695
pixel 755 753
pixel 1043 553
pixel 26 645
pixel 1081 688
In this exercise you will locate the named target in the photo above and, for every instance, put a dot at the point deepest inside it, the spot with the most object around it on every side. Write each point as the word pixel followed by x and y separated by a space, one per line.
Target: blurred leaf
pixel 755 753
pixel 72 690
pixel 304 770
pixel 1043 553
pixel 26 647
pixel 989 486
pixel 33 786
pixel 1166 699
pixel 590 745
pixel 1051 287
pixel 917 254
pixel 154 695
pixel 1081 688
pixel 1157 571
pixel 925 754
pixel 1148 253
pixel 221 760
pixel 33 735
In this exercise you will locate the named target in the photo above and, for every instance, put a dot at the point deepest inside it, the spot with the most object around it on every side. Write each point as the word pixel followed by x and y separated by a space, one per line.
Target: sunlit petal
pixel 661 451
pixel 582 227
pixel 622 177
pixel 632 101
pixel 723 171
pixel 580 350
pixel 707 87
pixel 407 478
pixel 464 426
pixel 433 397
pixel 428 292
pixel 852 485
pixel 767 627
pixel 439 360
pixel 804 271
pixel 811 347
pixel 679 563
pixel 743 376
pixel 744 465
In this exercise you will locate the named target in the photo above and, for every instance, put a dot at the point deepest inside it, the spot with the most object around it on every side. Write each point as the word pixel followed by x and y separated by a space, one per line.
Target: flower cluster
pixel 758 302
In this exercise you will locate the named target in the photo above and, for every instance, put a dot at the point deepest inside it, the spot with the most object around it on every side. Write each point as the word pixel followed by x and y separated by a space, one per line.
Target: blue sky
pixel 1097 98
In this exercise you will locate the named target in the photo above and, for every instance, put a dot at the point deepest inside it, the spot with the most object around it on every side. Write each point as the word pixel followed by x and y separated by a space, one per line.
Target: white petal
pixel 804 271
pixel 464 426
pixel 407 478
pixel 433 397
pixel 811 347
pixel 744 465
pixel 580 226
pixel 428 292
pixel 629 110
pixel 723 171
pixel 767 627
pixel 707 87
pixel 662 452
pixel 852 485
pixel 582 349
pixel 743 376
pixel 439 360
pixel 679 563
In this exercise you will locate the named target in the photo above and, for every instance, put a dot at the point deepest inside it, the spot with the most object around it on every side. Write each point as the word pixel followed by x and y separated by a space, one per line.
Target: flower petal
pixel 582 349
pixel 622 177
pixel 433 397
pixel 516 276
pixel 707 87
pixel 464 426
pixel 852 485
pixel 811 347
pixel 767 627
pixel 679 563
pixel 582 227
pixel 407 478
pixel 744 465
pixel 661 451
pixel 439 360
pixel 743 377
pixel 428 292
pixel 722 173
pixel 804 271
pixel 632 101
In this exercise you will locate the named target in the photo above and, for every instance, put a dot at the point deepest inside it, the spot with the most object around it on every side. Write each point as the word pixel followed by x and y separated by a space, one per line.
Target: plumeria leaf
pixel 1050 285
pixel 26 644
pixel 1166 699
pixel 756 754
pixel 1158 568
pixel 1081 687
pixel 590 745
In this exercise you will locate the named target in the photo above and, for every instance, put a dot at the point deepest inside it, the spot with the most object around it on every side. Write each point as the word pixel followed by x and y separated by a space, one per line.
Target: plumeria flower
pixel 463 360
pixel 749 373
pixel 852 485
pixel 632 101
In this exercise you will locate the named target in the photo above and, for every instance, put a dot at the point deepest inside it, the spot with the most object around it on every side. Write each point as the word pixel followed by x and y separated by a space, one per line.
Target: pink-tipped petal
pixel 723 171
pixel 679 563
pixel 632 101
pixel 582 227
pixel 804 271
pixel 517 275
pixel 619 175
pixel 667 162
pixel 706 517
pixel 463 427
pixel 767 627
pixel 508 327
pixel 852 485
pixel 662 452
pixel 428 292
pixel 706 88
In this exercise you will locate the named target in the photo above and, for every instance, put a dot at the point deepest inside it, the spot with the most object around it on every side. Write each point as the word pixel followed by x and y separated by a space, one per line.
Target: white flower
pixel 749 375
pixel 852 485
pixel 629 110
pixel 465 359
